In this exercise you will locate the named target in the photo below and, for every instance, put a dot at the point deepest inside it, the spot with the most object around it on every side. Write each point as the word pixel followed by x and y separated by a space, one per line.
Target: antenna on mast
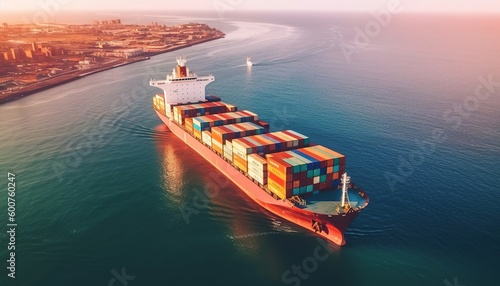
pixel 345 181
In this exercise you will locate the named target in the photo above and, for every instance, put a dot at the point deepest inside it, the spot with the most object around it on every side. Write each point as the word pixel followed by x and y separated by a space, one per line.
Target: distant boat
pixel 249 62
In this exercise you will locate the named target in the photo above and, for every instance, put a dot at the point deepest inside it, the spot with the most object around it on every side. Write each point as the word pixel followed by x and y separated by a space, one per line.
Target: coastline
pixel 75 75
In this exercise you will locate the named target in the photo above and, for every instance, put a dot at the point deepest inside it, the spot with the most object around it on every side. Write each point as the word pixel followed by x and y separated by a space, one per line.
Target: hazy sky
pixel 242 5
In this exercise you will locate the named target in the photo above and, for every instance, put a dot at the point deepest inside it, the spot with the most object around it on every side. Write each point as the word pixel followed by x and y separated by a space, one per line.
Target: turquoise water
pixel 107 196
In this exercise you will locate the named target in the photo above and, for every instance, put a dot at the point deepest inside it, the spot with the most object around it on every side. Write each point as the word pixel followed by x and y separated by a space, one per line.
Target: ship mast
pixel 345 181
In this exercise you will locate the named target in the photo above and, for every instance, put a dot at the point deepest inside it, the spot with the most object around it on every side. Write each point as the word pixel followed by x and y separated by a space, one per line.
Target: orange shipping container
pixel 216 147
pixel 278 180
pixel 240 163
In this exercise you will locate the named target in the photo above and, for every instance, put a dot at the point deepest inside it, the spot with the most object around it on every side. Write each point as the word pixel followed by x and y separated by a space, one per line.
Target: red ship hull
pixel 334 226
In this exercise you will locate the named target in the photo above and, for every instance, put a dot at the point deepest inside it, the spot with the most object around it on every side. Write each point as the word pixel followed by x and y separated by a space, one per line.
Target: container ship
pixel 282 171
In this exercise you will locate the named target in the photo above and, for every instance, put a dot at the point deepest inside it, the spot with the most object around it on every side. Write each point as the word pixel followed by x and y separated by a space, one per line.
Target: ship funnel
pixel 181 61
pixel 181 67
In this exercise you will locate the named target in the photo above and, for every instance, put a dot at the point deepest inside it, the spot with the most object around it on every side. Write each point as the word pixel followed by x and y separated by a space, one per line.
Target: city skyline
pixel 243 5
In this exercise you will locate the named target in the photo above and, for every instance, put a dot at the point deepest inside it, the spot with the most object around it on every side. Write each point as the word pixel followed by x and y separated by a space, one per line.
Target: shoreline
pixel 75 75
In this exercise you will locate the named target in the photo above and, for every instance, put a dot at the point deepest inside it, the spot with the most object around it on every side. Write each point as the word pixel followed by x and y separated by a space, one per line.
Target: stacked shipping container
pixel 181 112
pixel 159 103
pixel 188 125
pixel 257 168
pixel 304 170
pixel 212 98
pixel 264 124
pixel 265 144
pixel 220 134
pixel 207 138
pixel 202 123
pixel 228 150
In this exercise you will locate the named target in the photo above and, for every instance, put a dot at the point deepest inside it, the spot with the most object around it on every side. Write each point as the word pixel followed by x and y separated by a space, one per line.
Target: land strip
pixel 35 57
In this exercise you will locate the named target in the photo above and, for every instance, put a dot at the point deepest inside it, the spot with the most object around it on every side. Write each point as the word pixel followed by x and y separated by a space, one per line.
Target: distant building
pixel 17 53
pixel 35 47
pixel 7 56
pixel 30 54
pixel 40 51
pixel 35 52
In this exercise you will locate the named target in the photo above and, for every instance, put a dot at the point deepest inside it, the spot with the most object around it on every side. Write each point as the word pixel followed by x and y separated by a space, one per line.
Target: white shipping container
pixel 207 137
pixel 228 156
pixel 316 180
pixel 238 146
pixel 262 182
pixel 257 161
pixel 297 134
pixel 258 177
pixel 217 143
pixel 227 149
pixel 256 168
pixel 259 173
pixel 240 154
pixel 196 122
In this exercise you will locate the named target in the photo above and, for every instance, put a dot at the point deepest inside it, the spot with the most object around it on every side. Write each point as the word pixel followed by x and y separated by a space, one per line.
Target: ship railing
pixel 362 194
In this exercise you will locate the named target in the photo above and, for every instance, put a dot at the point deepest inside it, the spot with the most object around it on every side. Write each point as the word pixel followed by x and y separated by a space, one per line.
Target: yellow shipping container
pixel 276 188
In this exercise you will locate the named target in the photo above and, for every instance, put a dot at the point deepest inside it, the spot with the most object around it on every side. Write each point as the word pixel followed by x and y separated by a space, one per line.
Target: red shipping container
pixel 322 186
pixel 274 177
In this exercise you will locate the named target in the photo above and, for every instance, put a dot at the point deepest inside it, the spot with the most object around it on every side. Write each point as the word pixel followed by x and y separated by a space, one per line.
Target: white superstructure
pixel 182 86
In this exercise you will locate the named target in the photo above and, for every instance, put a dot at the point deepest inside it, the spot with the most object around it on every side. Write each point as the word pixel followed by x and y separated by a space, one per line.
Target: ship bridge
pixel 182 86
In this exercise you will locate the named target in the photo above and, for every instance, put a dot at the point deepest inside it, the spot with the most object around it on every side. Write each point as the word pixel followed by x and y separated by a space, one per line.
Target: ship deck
pixel 329 202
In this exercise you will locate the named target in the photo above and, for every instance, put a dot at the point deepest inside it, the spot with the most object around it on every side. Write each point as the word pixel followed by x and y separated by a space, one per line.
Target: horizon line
pixel 440 11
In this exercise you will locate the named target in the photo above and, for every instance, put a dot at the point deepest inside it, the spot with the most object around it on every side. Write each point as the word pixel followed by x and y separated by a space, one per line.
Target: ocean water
pixel 106 195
